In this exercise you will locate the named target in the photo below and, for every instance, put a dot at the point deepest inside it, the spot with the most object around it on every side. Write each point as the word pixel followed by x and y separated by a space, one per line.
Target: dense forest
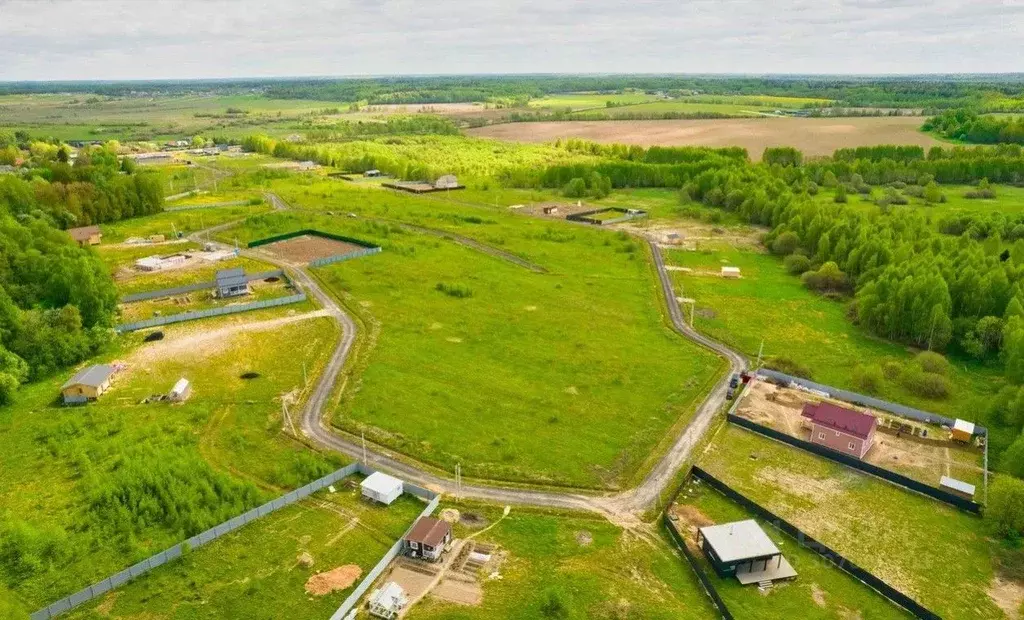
pixel 969 126
pixel 939 92
pixel 57 300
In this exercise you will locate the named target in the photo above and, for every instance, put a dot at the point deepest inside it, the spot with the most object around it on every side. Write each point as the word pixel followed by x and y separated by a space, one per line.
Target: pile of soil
pixel 249 375
pixel 336 579
pixel 154 337
pixel 272 279
pixel 471 519
pixel 305 559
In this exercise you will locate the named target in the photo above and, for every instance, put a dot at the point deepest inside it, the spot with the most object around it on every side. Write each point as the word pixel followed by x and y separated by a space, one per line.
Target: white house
pixel 381 487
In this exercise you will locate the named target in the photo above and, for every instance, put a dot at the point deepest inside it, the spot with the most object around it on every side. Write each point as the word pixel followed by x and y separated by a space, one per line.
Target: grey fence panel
pixel 702 577
pixel 167 555
pixel 188 288
pixel 232 203
pixel 865 401
pixel 381 566
pixel 420 492
pixel 319 262
pixel 202 314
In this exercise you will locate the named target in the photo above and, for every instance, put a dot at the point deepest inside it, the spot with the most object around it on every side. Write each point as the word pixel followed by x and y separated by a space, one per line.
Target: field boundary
pixel 188 288
pixel 865 401
pixel 807 542
pixel 202 314
pixel 702 577
pixel 308 231
pixel 118 579
pixel 854 463
pixel 627 215
pixel 231 203
pixel 337 258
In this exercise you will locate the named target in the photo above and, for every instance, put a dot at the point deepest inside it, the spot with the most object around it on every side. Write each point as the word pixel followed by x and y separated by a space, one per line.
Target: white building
pixel 730 272
pixel 181 391
pixel 447 181
pixel 381 487
pixel 156 263
pixel 388 601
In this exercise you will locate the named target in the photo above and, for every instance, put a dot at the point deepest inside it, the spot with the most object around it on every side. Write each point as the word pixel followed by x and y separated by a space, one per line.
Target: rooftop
pixel 963 426
pixel 738 541
pixel 231 277
pixel 957 485
pixel 429 531
pixel 379 482
pixel 83 233
pixel 93 376
pixel 840 418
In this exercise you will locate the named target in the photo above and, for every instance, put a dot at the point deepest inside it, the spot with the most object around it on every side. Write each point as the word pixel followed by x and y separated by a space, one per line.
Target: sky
pixel 157 39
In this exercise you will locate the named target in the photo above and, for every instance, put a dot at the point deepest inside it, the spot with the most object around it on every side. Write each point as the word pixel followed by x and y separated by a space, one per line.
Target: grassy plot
pixel 809 329
pixel 820 590
pixel 131 281
pixel 583 101
pixel 569 377
pixel 916 544
pixel 1009 201
pixel 205 299
pixel 657 108
pixel 575 567
pixel 256 571
pixel 172 223
pixel 110 483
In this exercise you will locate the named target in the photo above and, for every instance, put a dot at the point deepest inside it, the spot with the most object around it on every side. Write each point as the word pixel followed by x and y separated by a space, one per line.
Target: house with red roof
pixel 841 429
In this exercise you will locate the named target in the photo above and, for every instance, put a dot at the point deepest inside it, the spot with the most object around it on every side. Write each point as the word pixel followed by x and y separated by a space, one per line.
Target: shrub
pixel 1005 509
pixel 827 279
pixel 927 384
pixel 892 370
pixel 454 290
pixel 786 243
pixel 796 264
pixel 788 366
pixel 868 379
pixel 840 196
pixel 553 607
pixel 575 188
pixel 933 362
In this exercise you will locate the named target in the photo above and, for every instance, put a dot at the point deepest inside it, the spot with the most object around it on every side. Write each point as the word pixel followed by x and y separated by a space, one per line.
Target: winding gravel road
pixel 614 506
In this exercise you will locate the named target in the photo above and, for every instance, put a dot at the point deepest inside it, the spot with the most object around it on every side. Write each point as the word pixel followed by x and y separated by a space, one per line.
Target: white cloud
pixel 124 39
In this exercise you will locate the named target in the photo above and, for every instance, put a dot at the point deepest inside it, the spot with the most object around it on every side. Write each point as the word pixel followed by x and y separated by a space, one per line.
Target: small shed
pixel 87 384
pixel 181 391
pixel 744 550
pixel 447 181
pixel 388 601
pixel 551 210
pixel 86 235
pixel 381 487
pixel 157 238
pixel 962 431
pixel 673 238
pixel 428 539
pixel 372 173
pixel 232 282
pixel 730 272
pixel 957 487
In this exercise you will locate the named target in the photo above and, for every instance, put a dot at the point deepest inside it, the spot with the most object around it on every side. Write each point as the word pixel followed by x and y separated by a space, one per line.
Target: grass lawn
pixel 1008 201
pixel 916 544
pixel 170 223
pixel 820 590
pixel 615 575
pixel 655 108
pixel 138 282
pixel 569 377
pixel 798 324
pixel 582 101
pixel 58 462
pixel 254 572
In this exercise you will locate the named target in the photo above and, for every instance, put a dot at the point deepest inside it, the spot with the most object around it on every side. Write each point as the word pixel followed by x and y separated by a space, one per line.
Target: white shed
pixel 181 391
pixel 388 601
pixel 381 487
pixel 447 181
pixel 730 272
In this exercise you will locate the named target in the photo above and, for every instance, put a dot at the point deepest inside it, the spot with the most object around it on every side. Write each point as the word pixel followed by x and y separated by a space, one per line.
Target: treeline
pixel 57 300
pixel 421 124
pixel 969 126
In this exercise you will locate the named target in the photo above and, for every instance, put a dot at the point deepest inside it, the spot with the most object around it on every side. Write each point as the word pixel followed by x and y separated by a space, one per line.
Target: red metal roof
pixel 429 531
pixel 840 418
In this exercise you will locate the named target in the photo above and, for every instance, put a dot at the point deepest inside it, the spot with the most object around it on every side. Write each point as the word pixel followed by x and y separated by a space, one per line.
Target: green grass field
pixel 202 300
pixel 582 101
pixel 615 575
pixel 153 281
pixel 1008 201
pixel 58 459
pixel 170 223
pixel 820 590
pixel 798 324
pixel 916 544
pixel 255 573
pixel 569 377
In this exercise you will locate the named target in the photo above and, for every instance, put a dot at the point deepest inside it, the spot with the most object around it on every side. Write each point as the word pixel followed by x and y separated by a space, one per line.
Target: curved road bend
pixel 629 501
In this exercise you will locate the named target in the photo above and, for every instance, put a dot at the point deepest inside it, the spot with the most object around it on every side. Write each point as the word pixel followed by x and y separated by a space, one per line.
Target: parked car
pixel 731 393
pixel 734 381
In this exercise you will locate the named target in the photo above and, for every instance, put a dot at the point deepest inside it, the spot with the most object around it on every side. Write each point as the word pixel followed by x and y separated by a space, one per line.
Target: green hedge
pixel 308 231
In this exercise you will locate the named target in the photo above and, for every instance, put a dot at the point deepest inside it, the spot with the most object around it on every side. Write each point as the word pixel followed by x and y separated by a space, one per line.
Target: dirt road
pixel 619 508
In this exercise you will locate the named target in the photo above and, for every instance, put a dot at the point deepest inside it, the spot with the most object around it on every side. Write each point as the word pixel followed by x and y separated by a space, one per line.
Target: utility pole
pixel 760 353
pixel 363 435
pixel 458 480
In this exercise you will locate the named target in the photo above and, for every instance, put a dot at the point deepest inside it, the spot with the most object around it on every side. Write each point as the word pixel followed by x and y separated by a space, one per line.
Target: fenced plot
pixel 314 247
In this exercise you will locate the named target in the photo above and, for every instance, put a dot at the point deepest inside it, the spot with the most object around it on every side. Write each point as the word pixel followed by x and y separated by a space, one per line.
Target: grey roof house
pixel 87 384
pixel 232 282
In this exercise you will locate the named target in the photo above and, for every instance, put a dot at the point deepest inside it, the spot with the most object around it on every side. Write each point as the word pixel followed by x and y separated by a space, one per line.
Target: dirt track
pixel 813 136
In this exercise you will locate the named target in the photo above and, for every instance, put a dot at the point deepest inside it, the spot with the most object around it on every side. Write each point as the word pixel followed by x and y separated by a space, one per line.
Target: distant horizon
pixel 285 78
